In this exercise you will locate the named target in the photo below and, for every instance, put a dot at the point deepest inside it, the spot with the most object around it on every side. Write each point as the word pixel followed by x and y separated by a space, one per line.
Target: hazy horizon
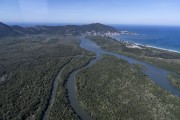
pixel 131 12
pixel 29 24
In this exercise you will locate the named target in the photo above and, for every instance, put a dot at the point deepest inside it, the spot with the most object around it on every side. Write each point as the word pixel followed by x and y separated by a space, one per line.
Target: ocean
pixel 165 37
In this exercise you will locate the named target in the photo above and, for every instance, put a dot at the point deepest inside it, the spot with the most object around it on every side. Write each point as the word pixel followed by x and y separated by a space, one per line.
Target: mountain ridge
pixel 6 30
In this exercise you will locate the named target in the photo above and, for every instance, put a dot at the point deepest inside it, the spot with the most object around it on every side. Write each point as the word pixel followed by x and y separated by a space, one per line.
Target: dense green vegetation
pixel 28 66
pixel 113 89
pixel 30 59
pixel 175 80
pixel 161 58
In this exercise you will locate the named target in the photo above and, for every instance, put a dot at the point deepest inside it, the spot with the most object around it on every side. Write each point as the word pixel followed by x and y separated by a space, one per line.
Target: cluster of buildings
pixel 94 33
pixel 108 33
pixel 132 45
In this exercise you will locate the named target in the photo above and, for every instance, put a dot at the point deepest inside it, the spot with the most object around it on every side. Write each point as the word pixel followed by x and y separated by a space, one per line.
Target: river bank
pixel 160 58
pixel 158 89
pixel 112 89
pixel 159 76
pixel 53 91
pixel 62 104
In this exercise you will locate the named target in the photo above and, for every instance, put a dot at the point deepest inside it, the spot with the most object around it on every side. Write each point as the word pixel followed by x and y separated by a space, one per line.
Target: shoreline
pixel 148 46
pixel 169 50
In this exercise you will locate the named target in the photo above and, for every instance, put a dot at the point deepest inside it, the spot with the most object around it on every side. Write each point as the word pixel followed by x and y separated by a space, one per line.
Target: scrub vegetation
pixel 113 89
pixel 175 80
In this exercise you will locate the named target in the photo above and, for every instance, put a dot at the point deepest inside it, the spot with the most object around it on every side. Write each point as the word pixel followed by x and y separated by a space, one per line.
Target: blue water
pixel 167 37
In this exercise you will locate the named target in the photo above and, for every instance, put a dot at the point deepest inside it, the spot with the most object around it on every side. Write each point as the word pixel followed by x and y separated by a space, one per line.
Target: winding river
pixel 158 75
pixel 53 93
pixel 72 96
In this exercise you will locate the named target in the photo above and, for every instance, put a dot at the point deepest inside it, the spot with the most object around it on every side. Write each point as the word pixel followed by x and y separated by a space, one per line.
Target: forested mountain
pixel 6 30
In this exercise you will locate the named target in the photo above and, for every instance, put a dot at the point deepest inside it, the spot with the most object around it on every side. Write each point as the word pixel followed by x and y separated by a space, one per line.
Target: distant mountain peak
pixel 100 27
pixel 6 30
pixel 96 24
pixel 3 25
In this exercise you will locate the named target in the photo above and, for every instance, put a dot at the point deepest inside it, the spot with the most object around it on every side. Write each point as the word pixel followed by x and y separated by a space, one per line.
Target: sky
pixel 145 12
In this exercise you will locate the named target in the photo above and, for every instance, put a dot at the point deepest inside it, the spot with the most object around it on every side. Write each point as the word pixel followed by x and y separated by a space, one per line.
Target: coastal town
pixel 112 34
pixel 108 33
